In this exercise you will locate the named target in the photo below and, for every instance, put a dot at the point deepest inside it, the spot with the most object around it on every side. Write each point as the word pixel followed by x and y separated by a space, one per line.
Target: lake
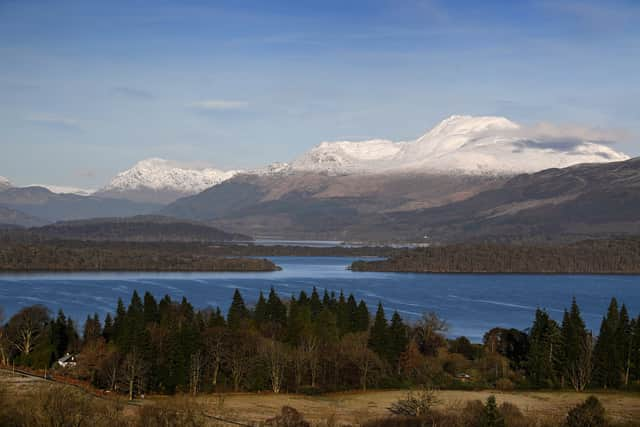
pixel 471 303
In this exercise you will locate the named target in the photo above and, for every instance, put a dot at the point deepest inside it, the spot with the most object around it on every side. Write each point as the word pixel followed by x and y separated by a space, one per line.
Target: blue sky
pixel 87 88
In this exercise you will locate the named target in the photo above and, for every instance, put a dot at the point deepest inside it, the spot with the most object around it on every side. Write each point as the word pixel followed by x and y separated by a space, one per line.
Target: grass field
pixel 356 407
pixel 353 408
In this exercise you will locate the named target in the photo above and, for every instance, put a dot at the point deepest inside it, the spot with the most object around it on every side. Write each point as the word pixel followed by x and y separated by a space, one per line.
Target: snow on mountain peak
pixel 462 145
pixel 62 189
pixel 4 183
pixel 160 175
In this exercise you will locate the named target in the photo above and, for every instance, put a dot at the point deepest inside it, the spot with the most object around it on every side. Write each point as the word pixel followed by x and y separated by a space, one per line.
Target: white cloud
pixel 219 105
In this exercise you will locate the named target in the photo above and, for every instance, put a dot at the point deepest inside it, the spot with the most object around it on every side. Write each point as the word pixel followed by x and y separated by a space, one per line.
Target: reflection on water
pixel 472 304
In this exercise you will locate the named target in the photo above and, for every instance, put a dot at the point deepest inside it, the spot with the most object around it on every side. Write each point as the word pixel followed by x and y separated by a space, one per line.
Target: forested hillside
pixel 125 256
pixel 592 256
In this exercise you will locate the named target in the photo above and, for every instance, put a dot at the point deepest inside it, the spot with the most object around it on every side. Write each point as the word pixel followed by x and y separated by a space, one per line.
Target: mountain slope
pixel 583 200
pixel 42 203
pixel 16 218
pixel 461 145
pixel 161 181
pixel 314 205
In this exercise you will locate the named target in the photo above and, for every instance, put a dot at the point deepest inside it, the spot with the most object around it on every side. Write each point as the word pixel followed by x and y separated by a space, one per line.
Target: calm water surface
pixel 472 304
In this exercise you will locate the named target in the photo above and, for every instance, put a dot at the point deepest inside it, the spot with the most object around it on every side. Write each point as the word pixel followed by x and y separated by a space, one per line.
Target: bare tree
pixel 354 348
pixel 4 342
pixel 197 362
pixel 276 354
pixel 134 370
pixel 214 345
pixel 309 347
pixel 429 333
pixel 579 370
pixel 25 327
pixel 237 356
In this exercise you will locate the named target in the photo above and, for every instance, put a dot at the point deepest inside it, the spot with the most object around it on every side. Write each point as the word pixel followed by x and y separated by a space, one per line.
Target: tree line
pixel 121 256
pixel 589 256
pixel 313 343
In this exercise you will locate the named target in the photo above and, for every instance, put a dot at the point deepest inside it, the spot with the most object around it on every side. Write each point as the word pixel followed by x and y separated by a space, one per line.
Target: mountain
pixel 161 181
pixel 581 201
pixel 61 189
pixel 318 205
pixel 142 228
pixel 4 183
pixel 590 200
pixel 12 217
pixel 42 203
pixel 462 145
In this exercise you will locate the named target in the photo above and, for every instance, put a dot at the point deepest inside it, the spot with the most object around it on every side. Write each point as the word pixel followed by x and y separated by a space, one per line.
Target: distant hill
pixel 42 203
pixel 11 218
pixel 621 256
pixel 143 228
pixel 591 200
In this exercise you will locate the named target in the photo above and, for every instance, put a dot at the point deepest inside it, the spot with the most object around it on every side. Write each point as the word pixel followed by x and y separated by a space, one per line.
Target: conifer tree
pixel 315 304
pixel 544 350
pixel 325 326
pixel 607 363
pixel 276 310
pixel 576 349
pixel 260 310
pixel 150 309
pixel 398 339
pixel 342 315
pixel 107 331
pixel 362 317
pixel 379 335
pixel 624 339
pixel 635 350
pixel 238 312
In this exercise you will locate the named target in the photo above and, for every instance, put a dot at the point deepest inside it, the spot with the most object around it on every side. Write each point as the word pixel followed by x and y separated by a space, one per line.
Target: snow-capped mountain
pixel 4 183
pixel 162 181
pixel 61 189
pixel 461 145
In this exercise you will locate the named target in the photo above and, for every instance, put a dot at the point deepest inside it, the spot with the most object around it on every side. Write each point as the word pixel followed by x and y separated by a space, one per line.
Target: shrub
pixel 587 414
pixel 289 417
pixel 491 417
pixel 415 404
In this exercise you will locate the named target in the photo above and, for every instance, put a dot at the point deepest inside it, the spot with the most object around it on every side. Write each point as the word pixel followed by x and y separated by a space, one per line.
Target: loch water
pixel 471 303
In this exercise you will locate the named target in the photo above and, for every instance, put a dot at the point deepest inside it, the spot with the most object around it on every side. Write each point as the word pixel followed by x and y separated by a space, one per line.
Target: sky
pixel 88 88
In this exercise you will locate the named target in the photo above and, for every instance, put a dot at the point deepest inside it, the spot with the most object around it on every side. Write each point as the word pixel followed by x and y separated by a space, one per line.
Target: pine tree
pixel 238 312
pixel 607 363
pixel 635 350
pixel 544 350
pixel 325 326
pixel 576 349
pixel 260 311
pixel 342 315
pixel 398 339
pixel 362 318
pixel 150 309
pixel 119 321
pixel 276 310
pixel 107 331
pixel 624 335
pixel 315 304
pixel 379 335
